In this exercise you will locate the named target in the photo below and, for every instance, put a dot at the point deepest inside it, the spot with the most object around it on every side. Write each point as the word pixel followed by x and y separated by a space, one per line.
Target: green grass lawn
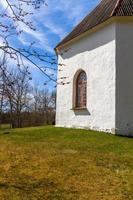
pixel 65 164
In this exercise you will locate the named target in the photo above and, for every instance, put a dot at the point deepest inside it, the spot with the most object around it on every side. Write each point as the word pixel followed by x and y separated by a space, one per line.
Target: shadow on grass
pixel 34 189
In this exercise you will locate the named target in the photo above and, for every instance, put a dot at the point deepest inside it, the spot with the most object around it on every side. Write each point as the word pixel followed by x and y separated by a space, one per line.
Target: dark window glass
pixel 81 90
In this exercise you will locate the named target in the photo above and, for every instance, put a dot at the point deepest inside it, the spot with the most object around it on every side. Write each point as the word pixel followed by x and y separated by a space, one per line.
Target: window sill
pixel 79 108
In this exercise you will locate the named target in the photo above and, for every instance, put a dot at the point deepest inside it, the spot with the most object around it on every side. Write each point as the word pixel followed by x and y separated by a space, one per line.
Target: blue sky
pixel 53 23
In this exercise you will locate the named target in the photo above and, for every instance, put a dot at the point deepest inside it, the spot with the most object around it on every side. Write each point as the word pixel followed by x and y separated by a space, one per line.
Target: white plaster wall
pixel 95 54
pixel 124 73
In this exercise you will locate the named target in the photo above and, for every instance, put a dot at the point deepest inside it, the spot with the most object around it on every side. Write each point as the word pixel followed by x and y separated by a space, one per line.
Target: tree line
pixel 21 103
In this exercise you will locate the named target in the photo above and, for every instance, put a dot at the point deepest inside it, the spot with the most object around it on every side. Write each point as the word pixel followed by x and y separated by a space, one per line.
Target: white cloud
pixel 3 4
pixel 52 22
pixel 54 28
pixel 38 36
pixel 73 12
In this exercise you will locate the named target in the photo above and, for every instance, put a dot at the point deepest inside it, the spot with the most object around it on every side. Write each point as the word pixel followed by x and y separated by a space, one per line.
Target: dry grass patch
pixel 64 164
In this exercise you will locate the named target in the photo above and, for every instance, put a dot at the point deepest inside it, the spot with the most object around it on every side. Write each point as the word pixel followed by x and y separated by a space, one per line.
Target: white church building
pixel 95 72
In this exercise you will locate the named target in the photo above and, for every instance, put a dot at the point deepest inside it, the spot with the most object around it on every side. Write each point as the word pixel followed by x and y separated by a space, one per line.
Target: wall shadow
pixel 88 43
pixel 81 112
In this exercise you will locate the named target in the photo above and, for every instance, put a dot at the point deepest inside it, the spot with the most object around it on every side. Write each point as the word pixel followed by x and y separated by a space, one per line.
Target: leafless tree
pixel 2 88
pixel 17 91
pixel 26 105
pixel 14 85
pixel 15 13
pixel 44 105
pixel 3 100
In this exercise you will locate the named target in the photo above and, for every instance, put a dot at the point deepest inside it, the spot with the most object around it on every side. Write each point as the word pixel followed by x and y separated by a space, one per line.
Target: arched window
pixel 81 90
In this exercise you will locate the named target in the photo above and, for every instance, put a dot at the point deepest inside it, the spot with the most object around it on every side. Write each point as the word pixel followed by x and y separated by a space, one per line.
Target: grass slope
pixel 65 164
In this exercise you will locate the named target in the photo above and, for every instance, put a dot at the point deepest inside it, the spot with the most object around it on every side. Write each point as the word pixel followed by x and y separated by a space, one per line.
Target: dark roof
pixel 105 10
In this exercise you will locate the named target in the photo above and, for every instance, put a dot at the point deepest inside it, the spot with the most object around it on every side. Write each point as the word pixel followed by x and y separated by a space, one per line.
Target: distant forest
pixel 23 104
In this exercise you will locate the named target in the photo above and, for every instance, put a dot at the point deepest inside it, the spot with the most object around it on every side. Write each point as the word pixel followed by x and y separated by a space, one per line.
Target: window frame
pixel 75 107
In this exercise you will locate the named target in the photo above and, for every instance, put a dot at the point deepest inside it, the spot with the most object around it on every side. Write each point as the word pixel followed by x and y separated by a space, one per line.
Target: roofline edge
pixel 111 19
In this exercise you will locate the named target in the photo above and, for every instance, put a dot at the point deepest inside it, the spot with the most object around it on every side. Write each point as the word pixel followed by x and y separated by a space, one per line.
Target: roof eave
pixel 60 46
pixel 93 29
